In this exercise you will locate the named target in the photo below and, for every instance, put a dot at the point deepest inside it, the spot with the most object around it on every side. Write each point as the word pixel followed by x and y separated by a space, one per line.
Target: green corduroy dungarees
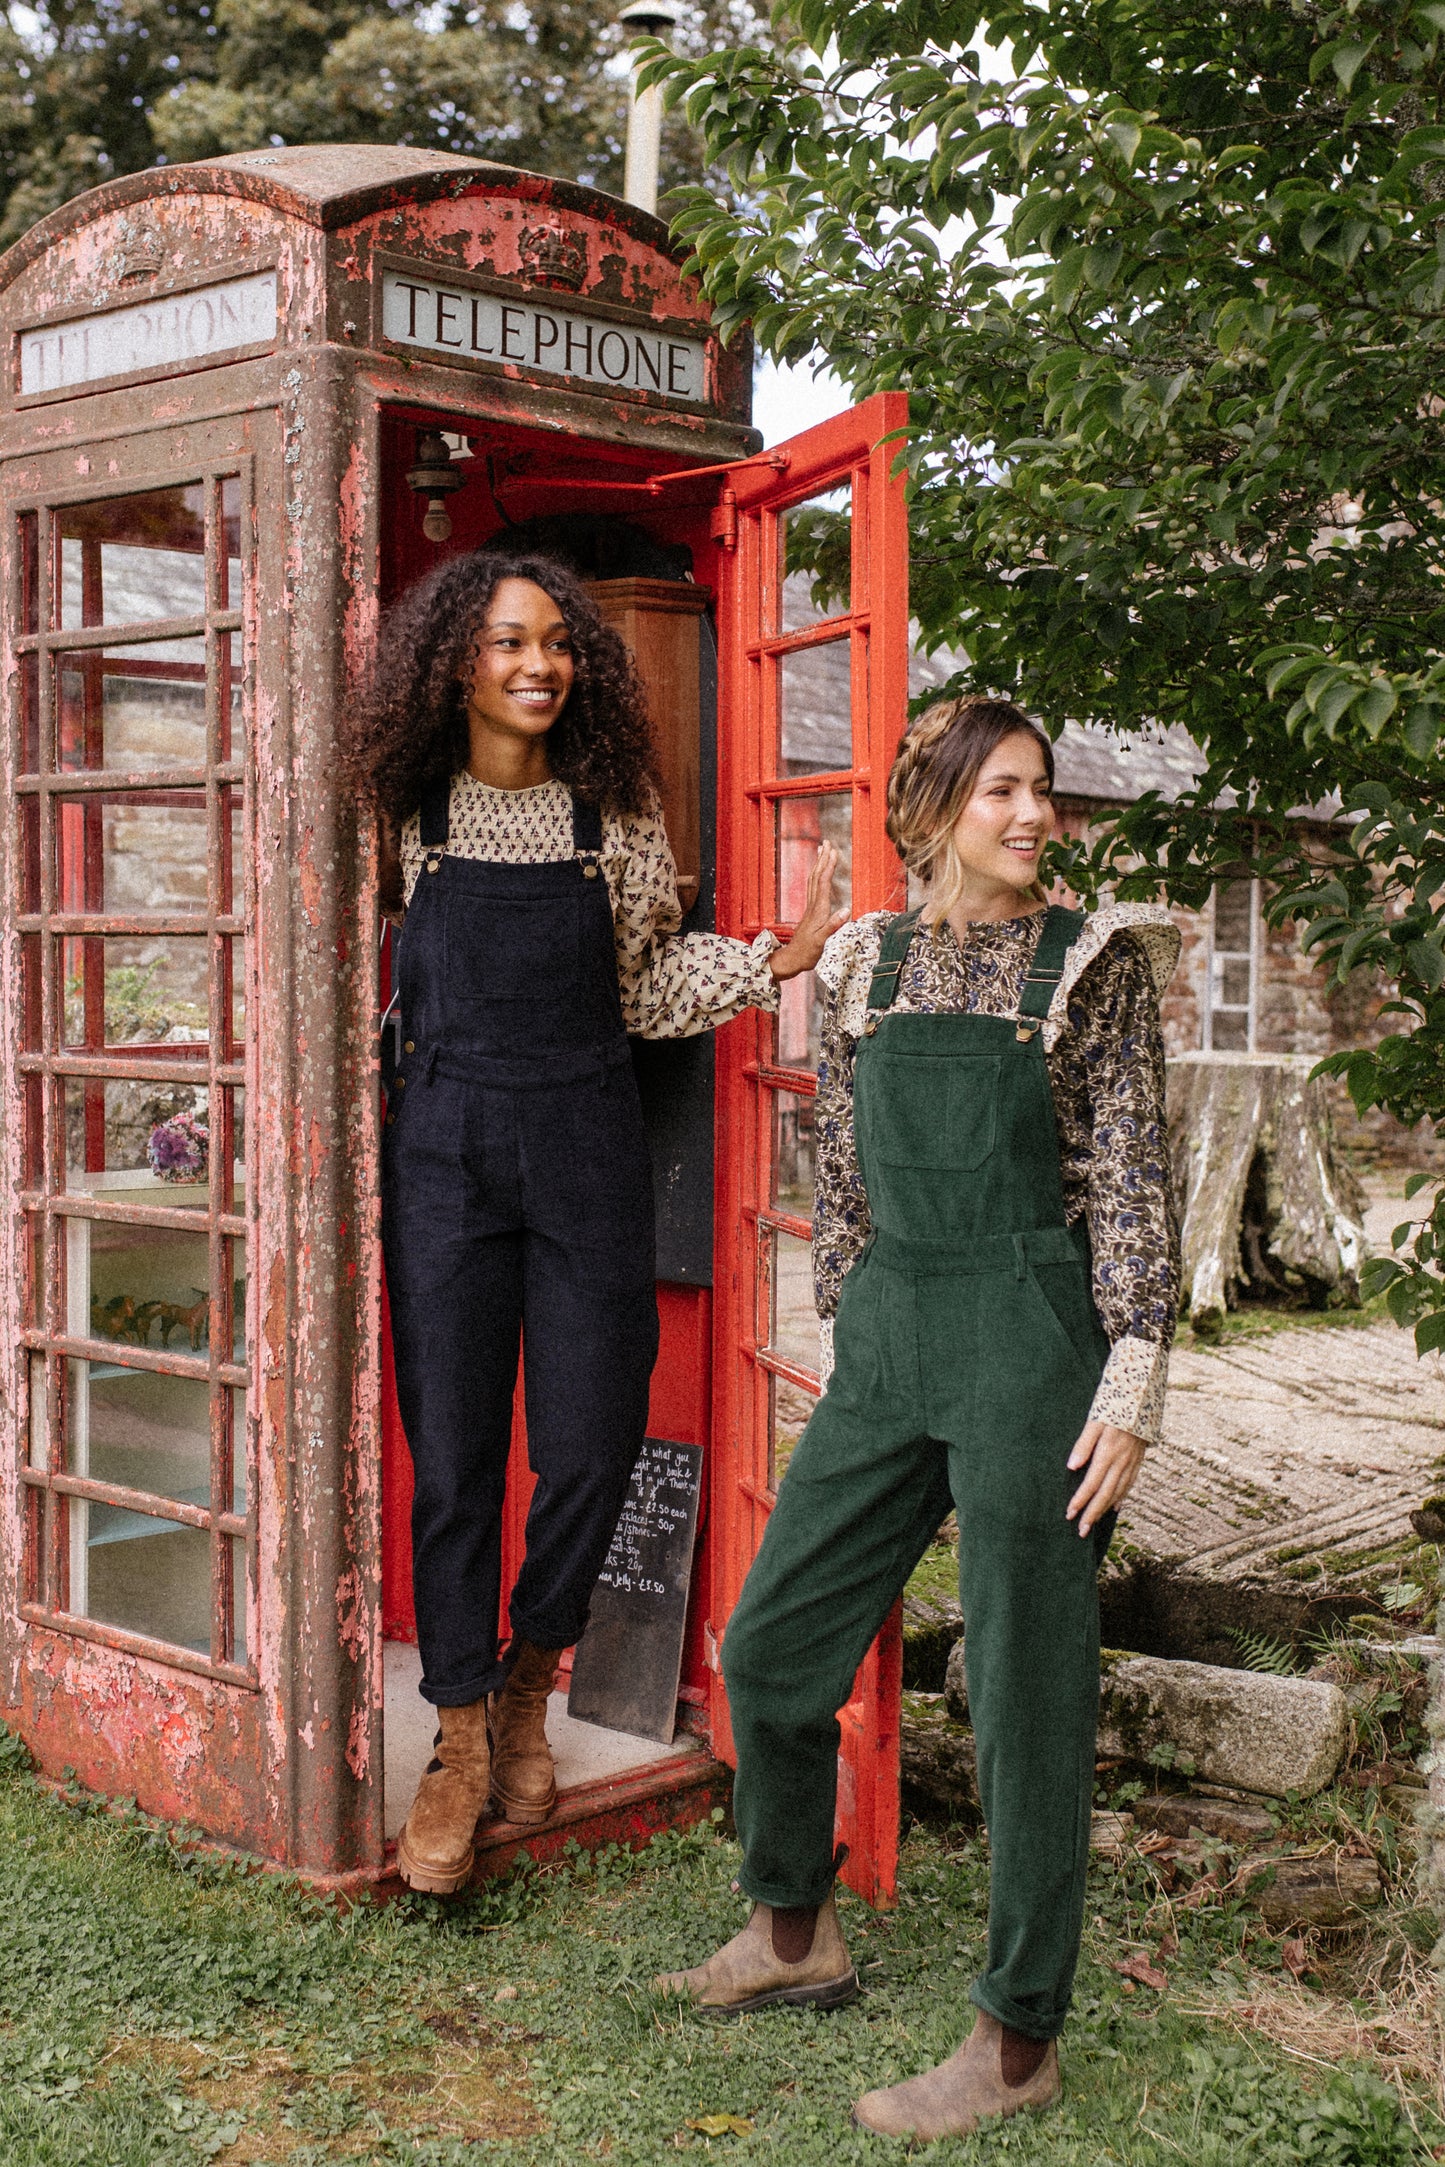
pixel 967 1350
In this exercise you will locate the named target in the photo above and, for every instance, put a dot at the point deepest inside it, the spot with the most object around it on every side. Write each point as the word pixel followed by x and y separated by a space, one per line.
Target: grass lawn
pixel 157 2008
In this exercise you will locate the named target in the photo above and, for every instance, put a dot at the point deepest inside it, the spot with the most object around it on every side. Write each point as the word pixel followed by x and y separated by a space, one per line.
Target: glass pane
pixel 793 1163
pixel 140 1430
pixel 29 714
pixel 815 711
pixel 138 1143
pixel 237 1398
pixel 127 559
pixel 1230 1033
pixel 29 539
pixel 230 1128
pixel 141 1286
pixel 1232 914
pixel 32 1167
pixel 230 552
pixel 135 708
pixel 789 1407
pixel 39 1444
pixel 786 1284
pixel 141 1573
pixel 37 1285
pixel 240 1600
pixel 230 661
pixel 29 1018
pixel 802 826
pixel 815 541
pixel 1233 982
pixel 133 851
pixel 236 1280
pixel 152 986
pixel 29 863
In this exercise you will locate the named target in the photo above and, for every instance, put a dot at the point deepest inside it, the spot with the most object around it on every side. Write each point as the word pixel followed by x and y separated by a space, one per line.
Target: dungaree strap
pixel 587 837
pixel 892 955
pixel 1061 928
pixel 436 813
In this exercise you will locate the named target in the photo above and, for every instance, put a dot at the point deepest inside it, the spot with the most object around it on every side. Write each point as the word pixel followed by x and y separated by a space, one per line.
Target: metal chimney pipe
pixel 646 18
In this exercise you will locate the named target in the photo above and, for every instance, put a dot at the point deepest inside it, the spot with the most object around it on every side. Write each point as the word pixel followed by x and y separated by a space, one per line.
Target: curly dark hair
pixel 410 729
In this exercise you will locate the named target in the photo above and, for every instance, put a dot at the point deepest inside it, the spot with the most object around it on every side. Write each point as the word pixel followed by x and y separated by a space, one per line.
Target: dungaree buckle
pixel 434 860
pixel 587 859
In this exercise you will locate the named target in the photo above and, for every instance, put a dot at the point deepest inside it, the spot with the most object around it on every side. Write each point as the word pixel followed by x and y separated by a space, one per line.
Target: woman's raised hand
pixel 819 919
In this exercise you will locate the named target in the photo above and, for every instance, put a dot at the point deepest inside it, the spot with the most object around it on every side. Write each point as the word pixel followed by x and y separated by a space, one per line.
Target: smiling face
pixel 521 674
pixel 1001 832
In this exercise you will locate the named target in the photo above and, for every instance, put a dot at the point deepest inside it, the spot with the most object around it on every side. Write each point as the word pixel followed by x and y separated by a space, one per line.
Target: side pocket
pixel 1066 1314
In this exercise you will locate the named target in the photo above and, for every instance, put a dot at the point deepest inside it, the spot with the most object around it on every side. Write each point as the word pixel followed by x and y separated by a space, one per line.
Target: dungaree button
pixel 401 1083
pixel 590 871
pixel 410 1046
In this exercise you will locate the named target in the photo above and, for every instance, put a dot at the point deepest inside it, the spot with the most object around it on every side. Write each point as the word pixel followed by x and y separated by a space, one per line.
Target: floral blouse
pixel 673 984
pixel 1105 1058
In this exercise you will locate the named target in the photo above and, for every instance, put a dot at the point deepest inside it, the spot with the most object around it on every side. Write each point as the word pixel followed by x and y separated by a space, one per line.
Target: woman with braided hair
pixel 505 746
pixel 995 1265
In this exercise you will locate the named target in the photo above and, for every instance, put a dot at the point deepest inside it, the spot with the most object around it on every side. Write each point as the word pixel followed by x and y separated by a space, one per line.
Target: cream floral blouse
pixel 673 984
pixel 1105 1060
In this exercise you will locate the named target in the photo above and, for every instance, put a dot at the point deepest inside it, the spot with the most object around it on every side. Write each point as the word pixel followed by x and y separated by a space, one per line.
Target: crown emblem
pixel 552 257
pixel 140 254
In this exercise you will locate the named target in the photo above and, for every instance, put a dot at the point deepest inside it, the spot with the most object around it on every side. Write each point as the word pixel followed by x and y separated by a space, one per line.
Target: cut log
pixel 1269 1210
pixel 939 1757
pixel 1312 1892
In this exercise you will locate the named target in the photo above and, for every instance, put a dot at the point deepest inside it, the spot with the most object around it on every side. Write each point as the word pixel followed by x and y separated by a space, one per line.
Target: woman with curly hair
pixel 995 1262
pixel 505 748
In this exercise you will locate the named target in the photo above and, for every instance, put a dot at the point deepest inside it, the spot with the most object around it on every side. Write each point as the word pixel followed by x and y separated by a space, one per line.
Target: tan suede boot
pixel 962 2092
pixel 437 1846
pixel 746 1973
pixel 524 1782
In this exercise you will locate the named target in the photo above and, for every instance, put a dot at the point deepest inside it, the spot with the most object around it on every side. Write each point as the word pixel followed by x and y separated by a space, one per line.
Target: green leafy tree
pixel 1169 302
pixel 101 87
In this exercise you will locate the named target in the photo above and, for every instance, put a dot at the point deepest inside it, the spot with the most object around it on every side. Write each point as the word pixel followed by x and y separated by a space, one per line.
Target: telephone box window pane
pixel 38 1453
pixel 240 1601
pixel 29 714
pixel 133 851
pixel 29 867
pixel 32 1170
pixel 793 1153
pixel 231 664
pixel 124 560
pixel 30 1008
pixel 138 709
pixel 788 1323
pixel 153 988
pixel 230 552
pixel 802 826
pixel 139 1430
pixel 236 967
pixel 37 1285
pixel 236 1281
pixel 141 1286
pixel 815 710
pixel 789 1408
pixel 141 1573
pixel 815 546
pixel 138 1143
pixel 29 539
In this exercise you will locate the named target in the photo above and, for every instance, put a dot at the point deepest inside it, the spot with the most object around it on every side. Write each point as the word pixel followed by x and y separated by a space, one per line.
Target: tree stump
pixel 1269 1210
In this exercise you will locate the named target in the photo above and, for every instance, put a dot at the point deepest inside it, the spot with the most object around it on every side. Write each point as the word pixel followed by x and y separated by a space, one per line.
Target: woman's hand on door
pixel 1113 1459
pixel 819 919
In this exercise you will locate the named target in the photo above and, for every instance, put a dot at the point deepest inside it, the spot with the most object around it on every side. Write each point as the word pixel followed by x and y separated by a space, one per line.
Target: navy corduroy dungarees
pixel 516 1207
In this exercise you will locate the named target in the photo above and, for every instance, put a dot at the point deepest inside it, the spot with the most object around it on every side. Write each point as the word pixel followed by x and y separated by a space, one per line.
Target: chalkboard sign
pixel 627 1664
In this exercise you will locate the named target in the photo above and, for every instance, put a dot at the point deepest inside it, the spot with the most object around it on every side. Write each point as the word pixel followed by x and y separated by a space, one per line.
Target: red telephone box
pixel 239 403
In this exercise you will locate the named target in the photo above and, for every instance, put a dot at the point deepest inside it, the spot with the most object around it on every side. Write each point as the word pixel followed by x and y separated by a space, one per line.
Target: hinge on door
pixel 724 526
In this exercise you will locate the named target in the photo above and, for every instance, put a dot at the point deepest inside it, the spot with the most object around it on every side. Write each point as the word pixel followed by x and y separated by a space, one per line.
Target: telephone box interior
pixel 220 459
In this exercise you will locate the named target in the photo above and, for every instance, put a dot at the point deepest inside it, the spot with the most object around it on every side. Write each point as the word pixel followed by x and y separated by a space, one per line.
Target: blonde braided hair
pixel 932 778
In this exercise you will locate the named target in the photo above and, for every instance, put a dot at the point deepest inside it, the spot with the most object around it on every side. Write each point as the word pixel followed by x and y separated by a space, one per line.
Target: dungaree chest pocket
pixel 929 1111
pixel 525 950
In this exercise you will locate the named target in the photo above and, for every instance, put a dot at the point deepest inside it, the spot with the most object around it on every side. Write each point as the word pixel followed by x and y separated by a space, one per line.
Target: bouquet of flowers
pixel 179 1149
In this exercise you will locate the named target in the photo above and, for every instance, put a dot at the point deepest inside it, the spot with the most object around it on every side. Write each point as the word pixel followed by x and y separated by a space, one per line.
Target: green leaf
pixel 1426 962
pixel 1377 706
pixel 1377 1273
pixel 1417 1182
pixel 1347 60
pixel 1430 1333
pixel 1422 729
pixel 1126 136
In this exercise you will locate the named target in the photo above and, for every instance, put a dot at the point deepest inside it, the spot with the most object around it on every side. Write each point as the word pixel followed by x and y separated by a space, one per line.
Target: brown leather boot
pixel 437 1846
pixel 962 2092
pixel 746 1973
pixel 524 1782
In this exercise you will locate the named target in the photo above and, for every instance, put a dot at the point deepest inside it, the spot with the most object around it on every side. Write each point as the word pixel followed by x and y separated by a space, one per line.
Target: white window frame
pixel 1215 960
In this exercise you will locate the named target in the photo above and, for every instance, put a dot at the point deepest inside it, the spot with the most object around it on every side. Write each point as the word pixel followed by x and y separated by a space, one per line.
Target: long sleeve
pixel 1108 1078
pixel 673 984
pixel 841 1220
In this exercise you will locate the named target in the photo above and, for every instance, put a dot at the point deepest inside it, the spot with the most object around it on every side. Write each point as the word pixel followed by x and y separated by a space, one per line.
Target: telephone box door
pixel 814 689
